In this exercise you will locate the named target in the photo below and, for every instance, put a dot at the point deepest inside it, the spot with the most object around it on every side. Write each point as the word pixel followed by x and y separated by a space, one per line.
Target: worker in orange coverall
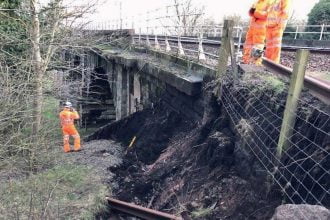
pixel 67 117
pixel 276 23
pixel 256 34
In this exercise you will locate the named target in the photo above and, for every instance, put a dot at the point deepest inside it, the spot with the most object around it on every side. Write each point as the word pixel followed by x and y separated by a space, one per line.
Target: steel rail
pixel 139 211
pixel 213 42
pixel 319 88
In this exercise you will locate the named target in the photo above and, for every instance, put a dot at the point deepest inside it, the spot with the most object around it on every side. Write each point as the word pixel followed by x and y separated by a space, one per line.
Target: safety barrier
pixel 289 139
pixel 302 172
pixel 192 22
pixel 168 27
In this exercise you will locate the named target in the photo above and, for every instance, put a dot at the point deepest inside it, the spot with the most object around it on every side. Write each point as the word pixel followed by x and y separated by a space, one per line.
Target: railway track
pixel 139 211
pixel 318 62
pixel 215 42
pixel 319 88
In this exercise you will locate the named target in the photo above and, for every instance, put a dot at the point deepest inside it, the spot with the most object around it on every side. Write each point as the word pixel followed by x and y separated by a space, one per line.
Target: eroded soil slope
pixel 204 169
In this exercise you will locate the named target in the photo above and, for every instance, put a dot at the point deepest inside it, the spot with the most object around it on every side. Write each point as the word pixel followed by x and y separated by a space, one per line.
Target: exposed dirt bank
pixel 206 169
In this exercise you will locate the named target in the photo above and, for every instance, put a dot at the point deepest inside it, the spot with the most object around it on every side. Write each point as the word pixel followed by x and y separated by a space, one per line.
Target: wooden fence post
pixel 289 117
pixel 226 50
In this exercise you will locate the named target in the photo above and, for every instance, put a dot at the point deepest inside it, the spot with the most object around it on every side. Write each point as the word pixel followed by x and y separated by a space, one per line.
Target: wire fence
pixel 169 32
pixel 292 32
pixel 200 43
pixel 303 172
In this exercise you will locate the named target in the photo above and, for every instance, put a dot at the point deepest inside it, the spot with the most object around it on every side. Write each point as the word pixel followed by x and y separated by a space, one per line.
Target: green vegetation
pixel 51 106
pixel 264 81
pixel 287 35
pixel 274 83
pixel 37 181
pixel 51 124
pixel 13 35
pixel 56 189
pixel 320 14
pixel 201 213
pixel 62 192
pixel 10 4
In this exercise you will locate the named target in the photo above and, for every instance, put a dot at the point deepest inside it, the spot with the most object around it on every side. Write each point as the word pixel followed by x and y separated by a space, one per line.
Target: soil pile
pixel 204 169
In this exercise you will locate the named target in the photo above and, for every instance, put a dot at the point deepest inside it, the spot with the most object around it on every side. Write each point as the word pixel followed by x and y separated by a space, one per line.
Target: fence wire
pixel 303 172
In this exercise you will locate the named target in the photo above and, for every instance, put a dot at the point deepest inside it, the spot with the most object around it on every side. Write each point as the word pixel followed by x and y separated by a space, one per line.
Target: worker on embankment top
pixel 276 23
pixel 256 34
pixel 67 117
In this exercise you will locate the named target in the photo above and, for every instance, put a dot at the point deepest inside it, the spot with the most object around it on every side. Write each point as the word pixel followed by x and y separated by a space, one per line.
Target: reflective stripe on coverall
pixel 256 34
pixel 67 118
pixel 276 23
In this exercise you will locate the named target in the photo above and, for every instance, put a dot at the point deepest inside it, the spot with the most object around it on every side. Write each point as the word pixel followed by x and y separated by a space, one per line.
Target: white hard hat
pixel 68 104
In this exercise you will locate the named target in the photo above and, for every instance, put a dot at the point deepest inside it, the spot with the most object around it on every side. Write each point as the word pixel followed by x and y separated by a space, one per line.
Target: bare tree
pixel 33 38
pixel 188 16
pixel 37 64
pixel 60 19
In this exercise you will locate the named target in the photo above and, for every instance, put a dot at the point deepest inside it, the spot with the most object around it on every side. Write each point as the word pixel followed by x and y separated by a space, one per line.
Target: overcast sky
pixel 215 8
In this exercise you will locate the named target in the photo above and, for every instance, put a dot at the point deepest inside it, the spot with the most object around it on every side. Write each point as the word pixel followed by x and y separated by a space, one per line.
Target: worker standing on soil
pixel 256 34
pixel 67 117
pixel 276 23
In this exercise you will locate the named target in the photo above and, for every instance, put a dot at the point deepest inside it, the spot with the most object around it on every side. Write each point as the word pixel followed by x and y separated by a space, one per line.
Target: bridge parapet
pixel 140 78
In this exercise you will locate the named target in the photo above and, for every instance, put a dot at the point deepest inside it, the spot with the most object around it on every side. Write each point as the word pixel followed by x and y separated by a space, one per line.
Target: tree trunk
pixel 37 68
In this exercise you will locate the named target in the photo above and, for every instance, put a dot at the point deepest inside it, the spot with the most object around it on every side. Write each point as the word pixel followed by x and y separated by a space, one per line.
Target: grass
pixel 57 189
pixel 273 82
pixel 62 192
pixel 50 119
pixel 50 108
pixel 260 82
pixel 200 213
pixel 203 212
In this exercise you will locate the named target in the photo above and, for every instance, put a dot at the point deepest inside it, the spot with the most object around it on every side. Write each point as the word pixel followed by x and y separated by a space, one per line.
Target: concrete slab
pixel 176 76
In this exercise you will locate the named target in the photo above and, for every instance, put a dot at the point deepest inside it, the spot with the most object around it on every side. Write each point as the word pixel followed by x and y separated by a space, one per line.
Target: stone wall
pixel 136 84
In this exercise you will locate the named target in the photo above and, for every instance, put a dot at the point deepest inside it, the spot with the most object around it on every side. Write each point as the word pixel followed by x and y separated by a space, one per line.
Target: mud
pixel 203 169
pixel 193 171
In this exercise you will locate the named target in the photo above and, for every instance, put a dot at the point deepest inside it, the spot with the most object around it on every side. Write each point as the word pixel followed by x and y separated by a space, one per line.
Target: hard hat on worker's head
pixel 68 104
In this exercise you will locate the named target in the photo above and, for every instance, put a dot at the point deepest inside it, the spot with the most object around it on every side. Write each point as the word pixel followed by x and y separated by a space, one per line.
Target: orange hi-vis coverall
pixel 276 23
pixel 256 33
pixel 67 118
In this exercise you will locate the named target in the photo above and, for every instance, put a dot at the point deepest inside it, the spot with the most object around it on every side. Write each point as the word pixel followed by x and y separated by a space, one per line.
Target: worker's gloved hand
pixel 251 11
pixel 256 53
